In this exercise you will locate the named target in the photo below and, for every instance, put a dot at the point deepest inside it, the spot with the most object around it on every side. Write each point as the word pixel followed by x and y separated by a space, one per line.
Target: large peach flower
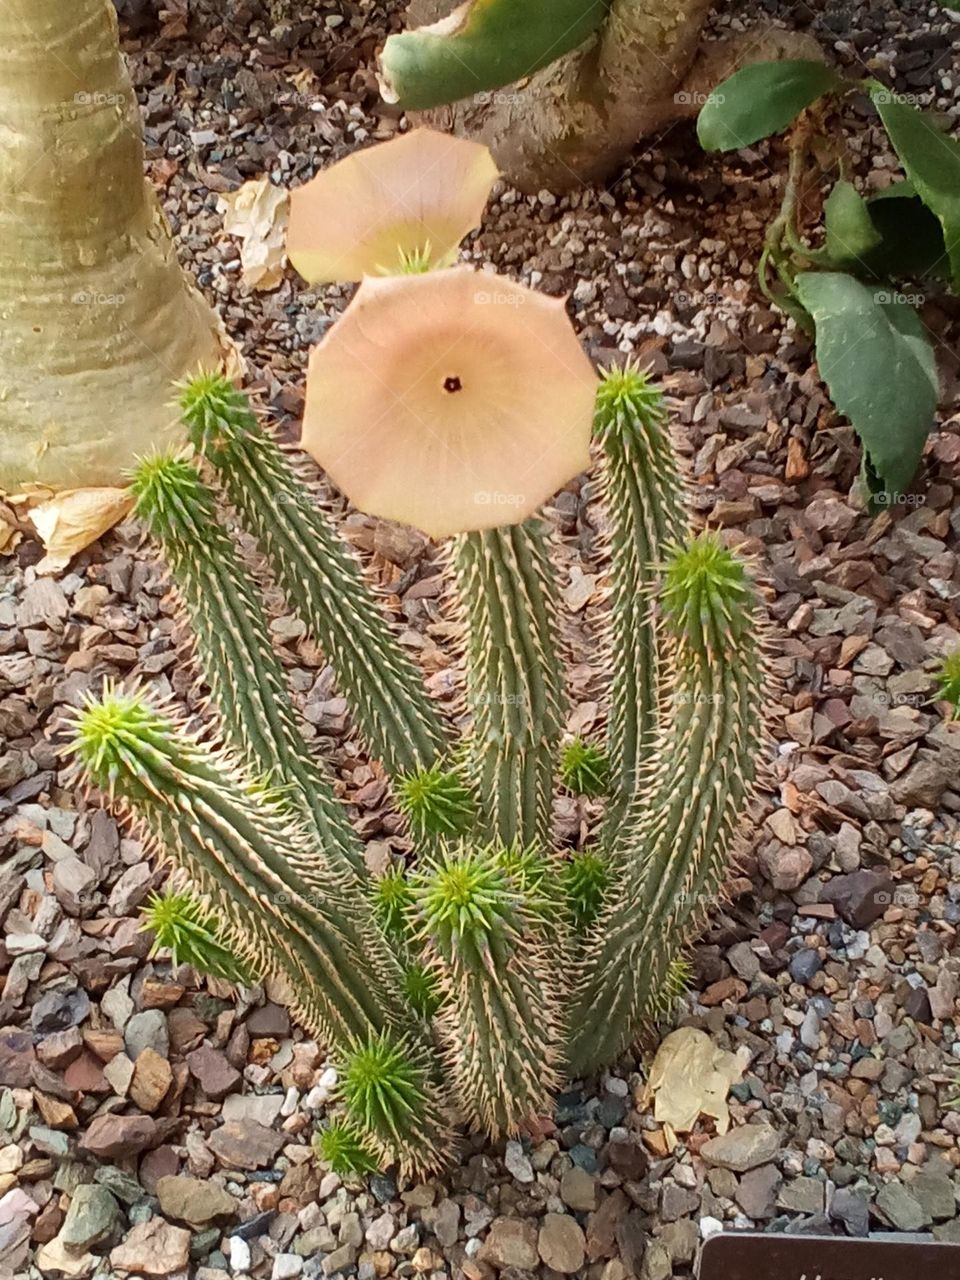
pixel 413 198
pixel 451 401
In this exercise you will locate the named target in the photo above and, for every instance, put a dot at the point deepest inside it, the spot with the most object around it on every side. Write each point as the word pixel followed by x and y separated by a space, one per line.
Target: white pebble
pixel 239 1254
pixel 286 1266
pixel 710 1227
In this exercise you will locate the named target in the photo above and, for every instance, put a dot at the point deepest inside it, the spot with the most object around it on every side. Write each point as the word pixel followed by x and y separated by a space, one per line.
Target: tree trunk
pixel 97 319
pixel 574 122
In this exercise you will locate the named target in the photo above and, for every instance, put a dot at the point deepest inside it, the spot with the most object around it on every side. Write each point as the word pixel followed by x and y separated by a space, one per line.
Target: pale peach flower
pixel 451 401
pixel 411 199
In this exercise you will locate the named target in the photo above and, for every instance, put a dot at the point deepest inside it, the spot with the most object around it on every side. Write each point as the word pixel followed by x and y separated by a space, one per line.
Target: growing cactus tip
pixel 706 591
pixel 111 730
pixel 626 396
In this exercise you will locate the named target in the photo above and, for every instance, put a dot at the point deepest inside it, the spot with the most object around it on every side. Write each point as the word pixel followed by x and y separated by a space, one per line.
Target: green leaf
pixel 850 233
pixel 911 237
pixel 760 100
pixel 484 45
pixel 878 364
pixel 931 159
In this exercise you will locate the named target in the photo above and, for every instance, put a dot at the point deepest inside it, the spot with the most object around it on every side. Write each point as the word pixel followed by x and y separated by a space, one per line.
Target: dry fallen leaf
pixel 73 519
pixel 257 215
pixel 690 1077
pixel 10 534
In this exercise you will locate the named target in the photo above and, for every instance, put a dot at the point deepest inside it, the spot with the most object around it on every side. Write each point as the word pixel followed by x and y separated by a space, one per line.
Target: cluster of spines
pixel 515 689
pixel 186 927
pixel 320 578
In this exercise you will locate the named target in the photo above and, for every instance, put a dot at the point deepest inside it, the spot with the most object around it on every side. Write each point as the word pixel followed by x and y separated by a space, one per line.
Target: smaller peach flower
pixel 451 401
pixel 412 199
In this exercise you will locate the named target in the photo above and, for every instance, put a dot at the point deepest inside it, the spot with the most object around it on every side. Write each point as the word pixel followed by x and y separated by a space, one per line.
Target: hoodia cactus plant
pixel 467 981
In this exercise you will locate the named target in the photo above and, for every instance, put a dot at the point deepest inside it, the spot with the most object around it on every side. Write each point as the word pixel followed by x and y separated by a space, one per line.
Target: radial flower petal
pixel 452 401
pixel 413 198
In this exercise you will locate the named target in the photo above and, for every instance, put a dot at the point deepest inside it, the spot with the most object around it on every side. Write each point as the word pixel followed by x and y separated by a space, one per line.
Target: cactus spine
pixel 462 987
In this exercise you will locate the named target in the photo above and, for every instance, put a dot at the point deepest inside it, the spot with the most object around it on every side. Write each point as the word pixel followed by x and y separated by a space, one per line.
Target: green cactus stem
pixel 642 491
pixel 514 680
pixel 679 830
pixel 585 880
pixel 231 635
pixel 392 902
pixel 484 44
pixel 321 579
pixel 500 1018
pixel 388 1095
pixel 948 681
pixel 262 875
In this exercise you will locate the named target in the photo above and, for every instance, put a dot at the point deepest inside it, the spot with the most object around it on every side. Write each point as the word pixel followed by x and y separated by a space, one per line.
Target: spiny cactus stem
pixel 678 845
pixel 642 491
pixel 230 630
pixel 325 586
pixel 246 855
pixel 514 680
pixel 672 847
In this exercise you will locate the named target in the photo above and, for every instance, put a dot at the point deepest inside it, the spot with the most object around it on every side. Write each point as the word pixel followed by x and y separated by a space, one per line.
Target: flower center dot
pixel 452 384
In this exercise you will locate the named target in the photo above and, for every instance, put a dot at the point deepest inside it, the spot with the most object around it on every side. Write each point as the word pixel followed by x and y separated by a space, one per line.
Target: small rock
pixel 757 1192
pixel 742 1148
pixel 561 1243
pixel 92 1217
pixel 860 897
pixel 153 1248
pixel 511 1242
pixel 58 1010
pixel 113 1136
pixel 517 1163
pixel 193 1201
pixel 851 1210
pixel 147 1030
pixel 901 1207
pixel 213 1072
pixel 17 1057
pixel 152 1078
pixel 578 1189
pixel 244 1144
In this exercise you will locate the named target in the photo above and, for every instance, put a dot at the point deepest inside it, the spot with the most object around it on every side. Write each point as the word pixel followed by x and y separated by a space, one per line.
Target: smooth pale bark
pixel 97 319
pixel 574 122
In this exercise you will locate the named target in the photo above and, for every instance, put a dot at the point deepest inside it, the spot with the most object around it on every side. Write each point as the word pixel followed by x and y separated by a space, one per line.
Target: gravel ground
pixel 153 1124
